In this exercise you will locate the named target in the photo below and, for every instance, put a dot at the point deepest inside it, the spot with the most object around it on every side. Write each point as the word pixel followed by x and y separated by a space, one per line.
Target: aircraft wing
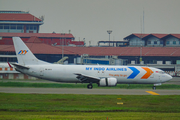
pixel 87 79
pixel 20 66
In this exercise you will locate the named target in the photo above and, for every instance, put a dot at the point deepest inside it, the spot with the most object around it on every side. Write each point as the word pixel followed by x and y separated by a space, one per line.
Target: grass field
pixel 88 107
pixel 89 116
pixel 61 106
pixel 79 85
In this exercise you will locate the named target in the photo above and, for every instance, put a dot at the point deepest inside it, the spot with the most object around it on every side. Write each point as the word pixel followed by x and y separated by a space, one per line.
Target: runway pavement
pixel 175 80
pixel 88 91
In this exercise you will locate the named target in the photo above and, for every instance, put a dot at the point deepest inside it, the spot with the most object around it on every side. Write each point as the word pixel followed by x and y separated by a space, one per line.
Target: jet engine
pixel 108 82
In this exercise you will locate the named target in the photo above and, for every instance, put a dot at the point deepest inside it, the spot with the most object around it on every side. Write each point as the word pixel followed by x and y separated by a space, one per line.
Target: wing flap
pixel 87 78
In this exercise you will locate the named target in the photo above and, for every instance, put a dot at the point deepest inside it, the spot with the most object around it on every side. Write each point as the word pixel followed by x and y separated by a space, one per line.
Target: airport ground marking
pixel 151 92
pixel 119 103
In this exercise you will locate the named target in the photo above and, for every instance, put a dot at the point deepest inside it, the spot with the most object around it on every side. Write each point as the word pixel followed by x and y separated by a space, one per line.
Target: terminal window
pixel 174 42
pixel 155 42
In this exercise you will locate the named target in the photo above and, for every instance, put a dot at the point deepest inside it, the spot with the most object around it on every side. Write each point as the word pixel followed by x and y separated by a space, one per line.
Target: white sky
pixel 90 19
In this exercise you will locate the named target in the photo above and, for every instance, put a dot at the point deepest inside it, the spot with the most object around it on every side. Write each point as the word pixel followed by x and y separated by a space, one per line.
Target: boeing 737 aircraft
pixel 100 74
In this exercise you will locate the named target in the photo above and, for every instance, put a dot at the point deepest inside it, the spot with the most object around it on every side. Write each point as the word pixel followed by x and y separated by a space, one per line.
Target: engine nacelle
pixel 108 82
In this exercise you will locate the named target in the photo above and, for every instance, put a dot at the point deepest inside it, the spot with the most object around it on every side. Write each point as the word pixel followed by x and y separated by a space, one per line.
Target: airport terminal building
pixel 165 58
pixel 156 50
pixel 25 25
pixel 129 55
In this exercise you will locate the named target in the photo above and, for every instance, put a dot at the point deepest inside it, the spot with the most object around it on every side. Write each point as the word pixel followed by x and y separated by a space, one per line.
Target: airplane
pixel 103 75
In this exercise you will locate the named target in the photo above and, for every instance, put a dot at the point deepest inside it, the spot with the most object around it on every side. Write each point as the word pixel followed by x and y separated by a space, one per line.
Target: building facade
pixel 154 40
pixel 19 22
pixel 25 25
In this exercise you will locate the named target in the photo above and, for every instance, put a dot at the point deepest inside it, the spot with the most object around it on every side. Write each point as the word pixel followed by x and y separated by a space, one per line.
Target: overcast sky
pixel 90 19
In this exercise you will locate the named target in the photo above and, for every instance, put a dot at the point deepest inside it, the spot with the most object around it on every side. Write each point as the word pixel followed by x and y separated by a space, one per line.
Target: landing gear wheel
pixel 154 87
pixel 89 86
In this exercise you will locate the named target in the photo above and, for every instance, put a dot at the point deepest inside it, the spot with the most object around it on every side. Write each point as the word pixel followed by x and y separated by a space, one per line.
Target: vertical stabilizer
pixel 24 55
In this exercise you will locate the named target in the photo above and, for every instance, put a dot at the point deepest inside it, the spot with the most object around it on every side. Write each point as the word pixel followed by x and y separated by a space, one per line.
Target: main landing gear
pixel 90 86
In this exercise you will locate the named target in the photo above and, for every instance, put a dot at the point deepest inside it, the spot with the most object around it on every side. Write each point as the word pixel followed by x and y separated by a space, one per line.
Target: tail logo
pixel 22 52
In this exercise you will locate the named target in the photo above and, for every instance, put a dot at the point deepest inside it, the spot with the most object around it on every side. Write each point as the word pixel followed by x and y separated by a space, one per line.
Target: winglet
pixel 9 65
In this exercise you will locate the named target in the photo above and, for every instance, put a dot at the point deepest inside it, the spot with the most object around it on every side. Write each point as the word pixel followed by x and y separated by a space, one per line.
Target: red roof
pixel 140 35
pixel 125 51
pixel 144 36
pixel 159 35
pixel 34 39
pixel 18 17
pixel 176 35
pixel 77 42
pixel 36 34
pixel 37 47
pixel 41 48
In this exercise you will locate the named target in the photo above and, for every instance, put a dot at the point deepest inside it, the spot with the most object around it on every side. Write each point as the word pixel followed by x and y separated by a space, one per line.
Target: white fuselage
pixel 102 75
pixel 123 74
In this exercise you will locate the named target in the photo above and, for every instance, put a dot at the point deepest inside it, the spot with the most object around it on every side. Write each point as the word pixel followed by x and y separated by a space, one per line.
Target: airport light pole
pixel 109 32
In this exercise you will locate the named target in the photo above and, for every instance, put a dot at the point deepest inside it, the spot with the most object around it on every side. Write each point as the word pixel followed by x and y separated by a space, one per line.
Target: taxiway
pixel 87 91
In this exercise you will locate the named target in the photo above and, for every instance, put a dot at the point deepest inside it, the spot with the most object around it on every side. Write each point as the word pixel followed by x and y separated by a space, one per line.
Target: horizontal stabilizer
pixel 10 65
pixel 20 66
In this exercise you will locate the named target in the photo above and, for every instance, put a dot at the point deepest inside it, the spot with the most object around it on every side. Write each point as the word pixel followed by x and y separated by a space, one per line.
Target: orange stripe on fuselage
pixel 149 72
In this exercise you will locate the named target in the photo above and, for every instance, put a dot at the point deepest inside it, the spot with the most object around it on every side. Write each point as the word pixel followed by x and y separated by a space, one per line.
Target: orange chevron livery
pixel 149 72
pixel 22 52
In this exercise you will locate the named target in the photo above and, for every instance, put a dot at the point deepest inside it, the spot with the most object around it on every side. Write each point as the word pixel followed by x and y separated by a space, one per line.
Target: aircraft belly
pixel 127 81
pixel 137 81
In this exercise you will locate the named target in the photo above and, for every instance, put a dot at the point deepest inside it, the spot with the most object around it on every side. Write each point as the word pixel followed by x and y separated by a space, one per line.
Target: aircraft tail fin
pixel 24 55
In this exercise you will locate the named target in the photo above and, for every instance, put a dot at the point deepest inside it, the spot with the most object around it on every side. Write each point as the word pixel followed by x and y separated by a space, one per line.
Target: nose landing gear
pixel 157 84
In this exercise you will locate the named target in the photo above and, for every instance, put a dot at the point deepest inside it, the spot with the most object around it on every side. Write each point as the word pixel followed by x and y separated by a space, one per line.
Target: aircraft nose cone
pixel 168 77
